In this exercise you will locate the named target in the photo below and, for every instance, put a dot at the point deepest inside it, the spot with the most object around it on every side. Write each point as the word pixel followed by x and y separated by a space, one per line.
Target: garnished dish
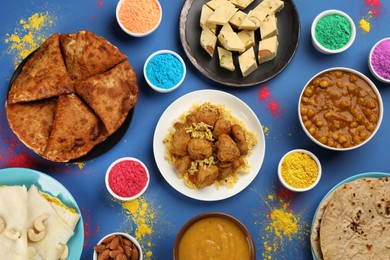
pixel 252 41
pixel 39 219
pixel 208 145
pixel 213 171
pixel 353 219
pixel 71 94
pixel 340 109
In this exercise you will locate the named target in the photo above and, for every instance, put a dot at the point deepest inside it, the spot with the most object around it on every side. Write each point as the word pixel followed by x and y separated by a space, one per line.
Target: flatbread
pixel 13 210
pixel 57 232
pixel 111 94
pixel 75 132
pixel 87 54
pixel 43 76
pixel 356 222
pixel 32 122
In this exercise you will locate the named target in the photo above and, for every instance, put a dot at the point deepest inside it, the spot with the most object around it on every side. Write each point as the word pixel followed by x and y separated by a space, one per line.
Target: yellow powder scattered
pixel 80 164
pixel 29 35
pixel 281 226
pixel 142 215
pixel 364 25
pixel 266 130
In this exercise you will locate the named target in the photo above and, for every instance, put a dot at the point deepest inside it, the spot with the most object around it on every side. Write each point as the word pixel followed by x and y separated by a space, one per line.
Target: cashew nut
pixel 65 253
pixel 35 237
pixel 2 225
pixel 12 234
pixel 31 251
pixel 38 222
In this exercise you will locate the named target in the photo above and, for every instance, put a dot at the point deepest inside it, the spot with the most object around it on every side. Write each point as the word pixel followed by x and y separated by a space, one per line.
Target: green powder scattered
pixel 333 31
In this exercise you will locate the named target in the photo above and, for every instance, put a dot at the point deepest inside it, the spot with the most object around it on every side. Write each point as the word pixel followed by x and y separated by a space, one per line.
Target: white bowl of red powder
pixel 127 178
pixel 139 18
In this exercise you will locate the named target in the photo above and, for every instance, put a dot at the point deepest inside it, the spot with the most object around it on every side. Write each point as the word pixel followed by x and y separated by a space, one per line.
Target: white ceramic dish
pixel 46 183
pixel 134 34
pixel 109 170
pixel 317 45
pixel 299 189
pixel 240 110
pixel 157 88
pixel 132 239
pixel 374 88
pixel 370 65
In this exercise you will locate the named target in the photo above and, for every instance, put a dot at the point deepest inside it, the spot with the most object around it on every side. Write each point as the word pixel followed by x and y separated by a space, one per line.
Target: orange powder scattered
pixel 139 16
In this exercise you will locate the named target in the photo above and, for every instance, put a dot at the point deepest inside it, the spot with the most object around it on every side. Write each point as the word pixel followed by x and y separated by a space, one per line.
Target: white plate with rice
pixel 240 111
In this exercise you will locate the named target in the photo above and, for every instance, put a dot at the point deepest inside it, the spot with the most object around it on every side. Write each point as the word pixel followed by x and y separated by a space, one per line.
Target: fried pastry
pixel 43 75
pixel 75 132
pixel 111 94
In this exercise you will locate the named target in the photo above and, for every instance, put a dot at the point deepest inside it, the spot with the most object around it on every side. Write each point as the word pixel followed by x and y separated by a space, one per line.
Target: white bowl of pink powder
pixel 379 60
pixel 127 178
pixel 139 18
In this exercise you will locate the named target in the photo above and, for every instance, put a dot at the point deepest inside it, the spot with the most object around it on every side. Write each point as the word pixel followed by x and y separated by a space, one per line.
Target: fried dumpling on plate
pixel 32 122
pixel 75 132
pixel 44 75
pixel 87 54
pixel 111 94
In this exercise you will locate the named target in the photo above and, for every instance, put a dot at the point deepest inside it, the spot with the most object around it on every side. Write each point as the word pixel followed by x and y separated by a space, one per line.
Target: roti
pixel 356 221
pixel 75 132
pixel 43 76
pixel 87 54
pixel 32 122
pixel 111 94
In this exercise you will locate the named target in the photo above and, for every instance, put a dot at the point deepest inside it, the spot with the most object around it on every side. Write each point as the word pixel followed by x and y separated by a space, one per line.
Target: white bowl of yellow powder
pixel 299 170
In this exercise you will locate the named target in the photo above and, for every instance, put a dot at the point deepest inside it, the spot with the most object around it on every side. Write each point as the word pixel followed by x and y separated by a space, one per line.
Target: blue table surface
pixel 165 210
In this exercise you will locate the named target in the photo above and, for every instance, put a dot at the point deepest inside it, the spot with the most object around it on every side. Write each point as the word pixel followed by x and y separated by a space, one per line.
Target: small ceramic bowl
pixel 248 237
pixel 167 86
pixel 120 179
pixel 318 46
pixel 290 187
pixel 105 240
pixel 333 109
pixel 371 63
pixel 135 33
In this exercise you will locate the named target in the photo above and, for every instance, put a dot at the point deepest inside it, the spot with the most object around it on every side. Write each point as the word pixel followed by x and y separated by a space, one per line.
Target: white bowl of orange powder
pixel 139 18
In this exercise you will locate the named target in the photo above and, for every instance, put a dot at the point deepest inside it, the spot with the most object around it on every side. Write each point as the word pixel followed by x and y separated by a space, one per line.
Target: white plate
pixel 240 110
pixel 46 183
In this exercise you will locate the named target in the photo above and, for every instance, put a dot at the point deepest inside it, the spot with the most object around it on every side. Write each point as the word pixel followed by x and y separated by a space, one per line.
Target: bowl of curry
pixel 340 109
pixel 214 235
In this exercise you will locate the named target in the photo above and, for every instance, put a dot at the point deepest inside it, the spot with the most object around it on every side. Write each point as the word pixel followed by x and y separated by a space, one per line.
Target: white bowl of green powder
pixel 333 31
pixel 164 71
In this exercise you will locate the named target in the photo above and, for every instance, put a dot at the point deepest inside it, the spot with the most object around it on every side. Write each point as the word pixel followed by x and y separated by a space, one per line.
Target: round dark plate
pixel 289 32
pixel 100 148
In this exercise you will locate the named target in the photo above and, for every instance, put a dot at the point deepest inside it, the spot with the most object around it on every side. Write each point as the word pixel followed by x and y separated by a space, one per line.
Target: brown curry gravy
pixel 339 109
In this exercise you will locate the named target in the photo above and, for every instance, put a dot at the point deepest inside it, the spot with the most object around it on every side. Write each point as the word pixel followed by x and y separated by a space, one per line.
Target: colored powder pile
pixel 333 31
pixel 373 9
pixel 282 227
pixel 29 35
pixel 264 95
pixel 380 59
pixel 143 216
pixel 139 16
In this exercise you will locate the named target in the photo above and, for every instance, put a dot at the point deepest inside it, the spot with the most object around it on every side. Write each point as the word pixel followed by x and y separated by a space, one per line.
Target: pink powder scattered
pixel 264 95
pixel 100 3
pixel 374 3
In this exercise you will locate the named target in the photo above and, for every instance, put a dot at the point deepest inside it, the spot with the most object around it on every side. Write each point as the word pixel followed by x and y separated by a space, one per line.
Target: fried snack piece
pixel 87 54
pixel 239 137
pixel 206 176
pixel 32 122
pixel 227 149
pixel 199 149
pixel 180 140
pixel 75 132
pixel 222 126
pixel 111 94
pixel 43 76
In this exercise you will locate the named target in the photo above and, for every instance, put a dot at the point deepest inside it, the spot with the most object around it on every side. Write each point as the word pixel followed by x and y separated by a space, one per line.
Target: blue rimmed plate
pixel 45 183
